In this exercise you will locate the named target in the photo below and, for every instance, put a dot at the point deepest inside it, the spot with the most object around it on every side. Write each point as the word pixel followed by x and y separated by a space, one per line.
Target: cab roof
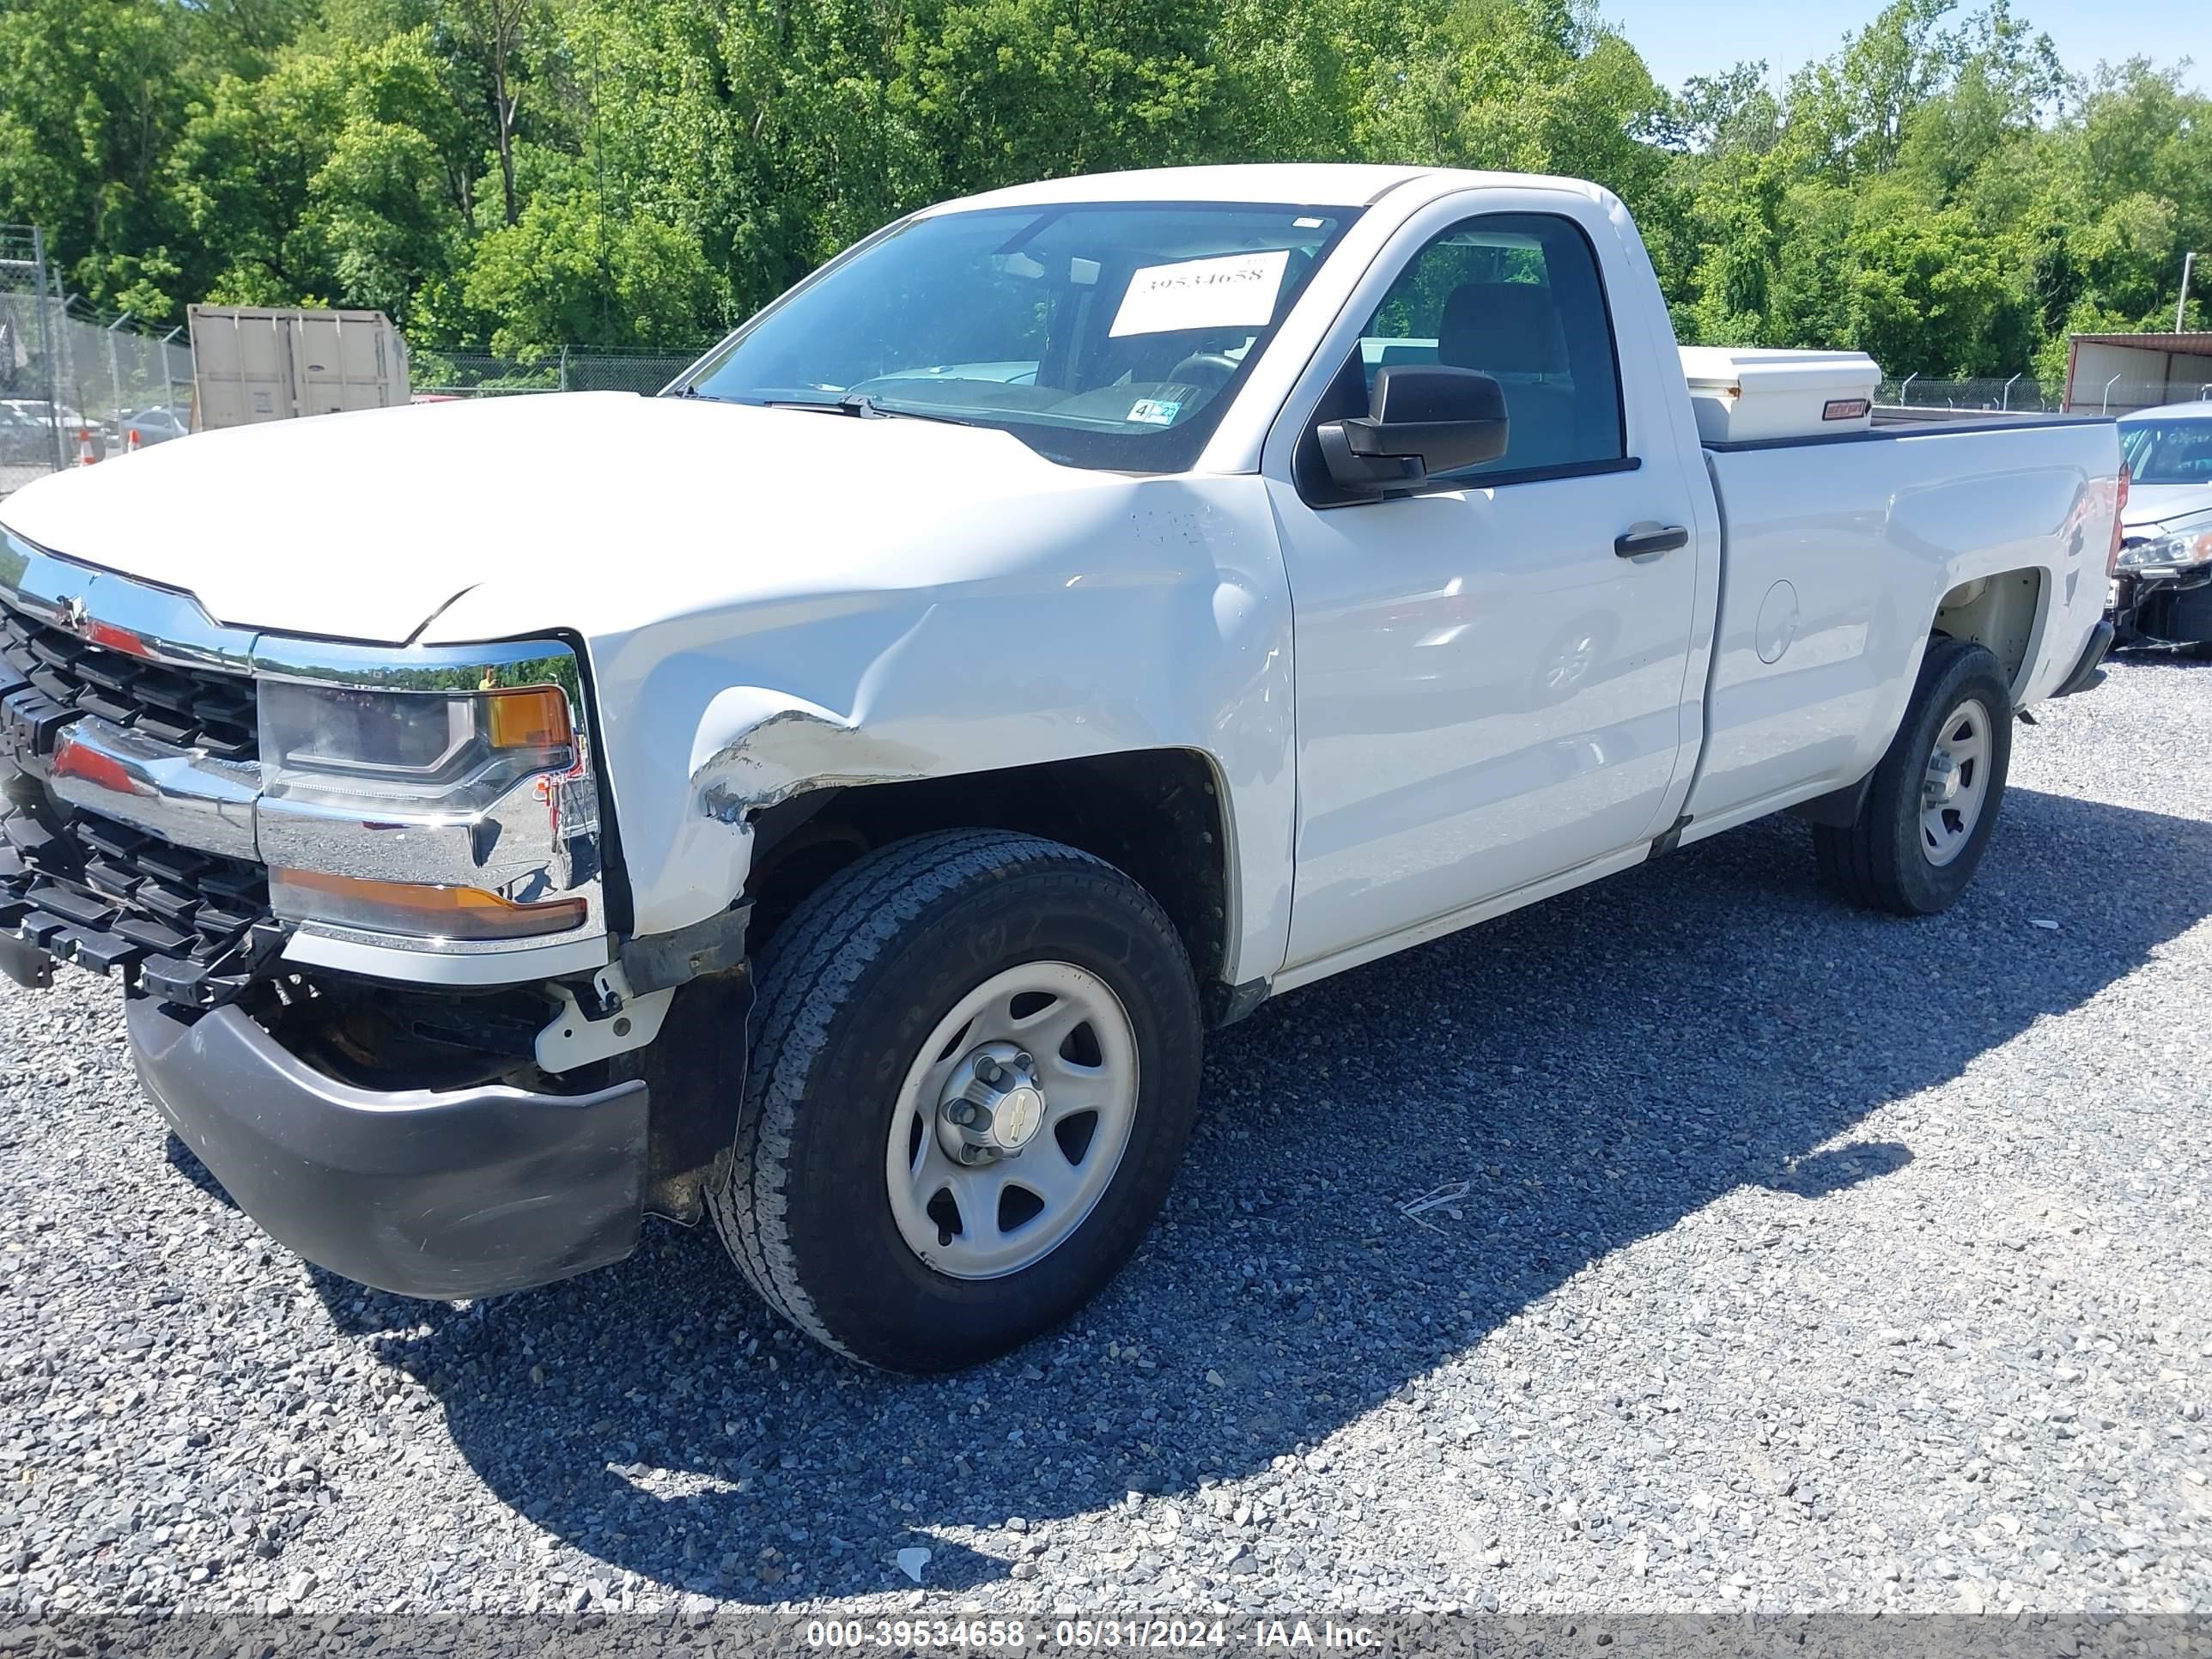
pixel 1300 183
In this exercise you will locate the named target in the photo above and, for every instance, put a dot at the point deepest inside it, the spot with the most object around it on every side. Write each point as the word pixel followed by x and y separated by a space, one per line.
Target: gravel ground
pixel 1800 1259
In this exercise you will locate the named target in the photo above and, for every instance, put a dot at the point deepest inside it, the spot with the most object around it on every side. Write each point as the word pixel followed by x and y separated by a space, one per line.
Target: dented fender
pixel 756 747
pixel 861 637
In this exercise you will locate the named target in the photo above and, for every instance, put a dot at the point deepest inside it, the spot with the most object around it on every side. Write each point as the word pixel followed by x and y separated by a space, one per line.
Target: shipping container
pixel 251 364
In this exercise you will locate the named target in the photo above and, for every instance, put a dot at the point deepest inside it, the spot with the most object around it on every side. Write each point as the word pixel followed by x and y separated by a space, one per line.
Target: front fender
pixel 1141 614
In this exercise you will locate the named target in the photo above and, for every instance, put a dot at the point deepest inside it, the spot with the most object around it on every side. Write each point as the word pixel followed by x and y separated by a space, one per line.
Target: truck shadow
pixel 1545 1076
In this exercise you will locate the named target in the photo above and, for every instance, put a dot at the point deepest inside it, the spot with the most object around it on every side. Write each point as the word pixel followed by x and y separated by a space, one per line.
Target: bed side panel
pixel 1837 557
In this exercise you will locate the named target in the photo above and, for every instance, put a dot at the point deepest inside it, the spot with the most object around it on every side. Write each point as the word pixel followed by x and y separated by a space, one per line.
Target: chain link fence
pixel 436 373
pixel 2023 394
pixel 2016 394
pixel 30 427
pixel 2125 397
pixel 70 381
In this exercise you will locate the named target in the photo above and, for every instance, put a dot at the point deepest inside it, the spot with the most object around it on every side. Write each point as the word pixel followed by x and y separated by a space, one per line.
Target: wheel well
pixel 1999 611
pixel 1155 814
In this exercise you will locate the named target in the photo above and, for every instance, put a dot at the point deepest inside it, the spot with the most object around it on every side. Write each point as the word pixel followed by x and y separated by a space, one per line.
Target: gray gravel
pixel 1799 1259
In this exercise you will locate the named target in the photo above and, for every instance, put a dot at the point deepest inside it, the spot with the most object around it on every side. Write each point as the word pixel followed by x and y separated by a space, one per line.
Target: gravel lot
pixel 1803 1259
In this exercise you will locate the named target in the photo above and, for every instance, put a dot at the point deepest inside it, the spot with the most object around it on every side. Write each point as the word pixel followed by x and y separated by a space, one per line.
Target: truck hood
pixel 573 510
pixel 2158 504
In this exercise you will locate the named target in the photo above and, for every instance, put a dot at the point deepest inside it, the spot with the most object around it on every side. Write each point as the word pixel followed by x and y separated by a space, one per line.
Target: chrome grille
pixel 189 708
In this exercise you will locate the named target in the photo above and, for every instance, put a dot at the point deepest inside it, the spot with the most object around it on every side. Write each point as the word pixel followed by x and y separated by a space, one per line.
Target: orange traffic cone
pixel 130 442
pixel 84 455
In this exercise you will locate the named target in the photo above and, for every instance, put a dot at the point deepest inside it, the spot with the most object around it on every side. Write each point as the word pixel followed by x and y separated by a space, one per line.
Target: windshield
pixel 2168 451
pixel 1108 335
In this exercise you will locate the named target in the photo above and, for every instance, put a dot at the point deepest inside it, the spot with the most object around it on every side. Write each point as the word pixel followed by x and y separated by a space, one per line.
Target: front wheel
pixel 1933 800
pixel 975 1069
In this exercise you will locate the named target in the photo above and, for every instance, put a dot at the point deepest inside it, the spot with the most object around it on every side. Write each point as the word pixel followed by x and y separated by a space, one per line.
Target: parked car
pixel 24 440
pixel 73 421
pixel 2162 593
pixel 156 425
pixel 849 826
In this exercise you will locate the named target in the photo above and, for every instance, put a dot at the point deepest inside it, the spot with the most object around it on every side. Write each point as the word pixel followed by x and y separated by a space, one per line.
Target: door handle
pixel 1635 544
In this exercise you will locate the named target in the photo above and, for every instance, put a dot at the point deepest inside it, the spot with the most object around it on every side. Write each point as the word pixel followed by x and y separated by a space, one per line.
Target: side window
pixel 1517 296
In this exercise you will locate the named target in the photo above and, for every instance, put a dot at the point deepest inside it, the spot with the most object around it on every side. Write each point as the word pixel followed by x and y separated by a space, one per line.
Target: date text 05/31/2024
pixel 1004 1634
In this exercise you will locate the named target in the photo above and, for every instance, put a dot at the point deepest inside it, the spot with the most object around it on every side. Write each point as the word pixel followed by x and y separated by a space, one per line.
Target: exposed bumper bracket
pixel 664 961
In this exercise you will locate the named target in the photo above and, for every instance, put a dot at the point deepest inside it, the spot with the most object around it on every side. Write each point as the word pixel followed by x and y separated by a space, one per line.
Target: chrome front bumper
pixel 542 838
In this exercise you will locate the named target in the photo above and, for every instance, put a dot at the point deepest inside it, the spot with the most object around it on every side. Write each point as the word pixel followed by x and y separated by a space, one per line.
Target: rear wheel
pixel 976 1068
pixel 1933 800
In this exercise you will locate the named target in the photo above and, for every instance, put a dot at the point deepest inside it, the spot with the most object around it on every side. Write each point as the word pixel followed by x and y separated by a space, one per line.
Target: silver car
pixel 2162 592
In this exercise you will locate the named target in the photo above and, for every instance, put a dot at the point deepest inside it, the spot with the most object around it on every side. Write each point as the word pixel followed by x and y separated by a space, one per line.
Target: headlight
pixel 432 805
pixel 2177 549
pixel 411 748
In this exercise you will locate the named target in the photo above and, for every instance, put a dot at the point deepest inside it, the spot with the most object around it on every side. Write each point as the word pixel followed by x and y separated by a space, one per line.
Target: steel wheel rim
pixel 1956 786
pixel 1014 1210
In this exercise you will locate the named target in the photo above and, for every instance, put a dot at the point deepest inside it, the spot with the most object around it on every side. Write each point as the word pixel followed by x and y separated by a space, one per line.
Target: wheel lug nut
pixel 988 1069
pixel 1023 1062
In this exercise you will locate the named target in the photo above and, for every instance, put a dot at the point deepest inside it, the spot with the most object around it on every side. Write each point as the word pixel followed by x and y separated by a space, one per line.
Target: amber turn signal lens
pixel 535 718
pixel 415 909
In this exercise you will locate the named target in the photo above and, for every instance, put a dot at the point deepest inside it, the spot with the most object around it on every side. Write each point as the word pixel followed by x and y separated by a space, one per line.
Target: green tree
pixel 325 181
pixel 539 172
pixel 91 97
pixel 565 272
pixel 1006 90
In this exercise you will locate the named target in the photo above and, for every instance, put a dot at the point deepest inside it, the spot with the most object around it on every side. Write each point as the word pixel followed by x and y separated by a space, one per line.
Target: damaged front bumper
pixel 438 1193
pixel 433 1117
pixel 2162 607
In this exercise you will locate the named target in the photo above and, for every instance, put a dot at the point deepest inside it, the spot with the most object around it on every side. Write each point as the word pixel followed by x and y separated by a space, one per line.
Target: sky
pixel 1681 38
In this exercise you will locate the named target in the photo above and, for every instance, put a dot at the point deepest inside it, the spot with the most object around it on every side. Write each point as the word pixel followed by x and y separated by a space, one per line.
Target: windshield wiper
pixel 863 406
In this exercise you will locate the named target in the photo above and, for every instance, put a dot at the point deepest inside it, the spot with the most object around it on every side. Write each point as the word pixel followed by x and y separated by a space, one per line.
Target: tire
pixel 855 992
pixel 2202 650
pixel 1889 858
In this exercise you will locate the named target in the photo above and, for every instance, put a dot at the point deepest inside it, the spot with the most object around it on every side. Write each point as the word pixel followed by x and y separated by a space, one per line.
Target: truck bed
pixel 1807 681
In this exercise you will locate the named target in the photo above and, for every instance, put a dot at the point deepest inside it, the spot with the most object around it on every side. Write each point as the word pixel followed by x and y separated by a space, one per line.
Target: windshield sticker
pixel 1154 411
pixel 1237 290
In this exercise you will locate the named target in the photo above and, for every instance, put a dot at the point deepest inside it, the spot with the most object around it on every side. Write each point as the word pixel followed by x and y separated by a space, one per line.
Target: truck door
pixel 1489 692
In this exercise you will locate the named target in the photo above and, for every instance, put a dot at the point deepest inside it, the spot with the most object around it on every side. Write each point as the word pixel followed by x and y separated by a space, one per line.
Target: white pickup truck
pixel 839 793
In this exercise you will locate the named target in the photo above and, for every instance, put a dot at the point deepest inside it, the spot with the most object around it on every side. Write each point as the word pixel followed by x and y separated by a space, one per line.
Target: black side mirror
pixel 1422 418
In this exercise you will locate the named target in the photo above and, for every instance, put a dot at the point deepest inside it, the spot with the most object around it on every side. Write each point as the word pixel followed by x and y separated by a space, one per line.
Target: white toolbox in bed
pixel 1748 393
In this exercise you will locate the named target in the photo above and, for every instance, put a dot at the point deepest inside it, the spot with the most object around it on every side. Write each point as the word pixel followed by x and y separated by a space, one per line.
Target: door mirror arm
pixel 1422 419
pixel 1361 469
